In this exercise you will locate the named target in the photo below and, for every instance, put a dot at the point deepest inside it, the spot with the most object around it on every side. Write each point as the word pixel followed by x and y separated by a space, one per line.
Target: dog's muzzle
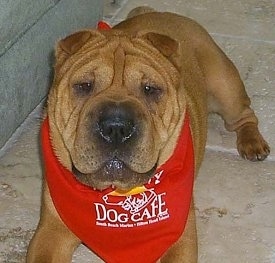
pixel 117 131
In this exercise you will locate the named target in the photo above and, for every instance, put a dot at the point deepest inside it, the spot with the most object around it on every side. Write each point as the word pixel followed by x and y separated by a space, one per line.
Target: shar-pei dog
pixel 125 135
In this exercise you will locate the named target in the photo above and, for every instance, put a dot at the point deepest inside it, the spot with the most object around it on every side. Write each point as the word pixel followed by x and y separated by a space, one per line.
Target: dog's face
pixel 113 105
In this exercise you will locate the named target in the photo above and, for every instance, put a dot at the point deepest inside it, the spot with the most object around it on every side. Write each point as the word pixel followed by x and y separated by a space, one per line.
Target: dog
pixel 126 118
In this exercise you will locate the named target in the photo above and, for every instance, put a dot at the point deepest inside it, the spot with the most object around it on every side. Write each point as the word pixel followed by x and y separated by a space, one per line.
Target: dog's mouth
pixel 114 173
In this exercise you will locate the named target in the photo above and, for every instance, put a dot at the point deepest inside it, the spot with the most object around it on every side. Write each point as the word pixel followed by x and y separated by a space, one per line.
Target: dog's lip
pixel 109 168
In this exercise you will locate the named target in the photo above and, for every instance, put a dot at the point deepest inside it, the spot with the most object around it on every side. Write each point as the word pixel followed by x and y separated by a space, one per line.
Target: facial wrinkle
pixel 119 65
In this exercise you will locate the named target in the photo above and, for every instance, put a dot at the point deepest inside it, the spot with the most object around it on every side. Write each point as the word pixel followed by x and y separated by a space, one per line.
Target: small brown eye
pixel 83 88
pixel 152 92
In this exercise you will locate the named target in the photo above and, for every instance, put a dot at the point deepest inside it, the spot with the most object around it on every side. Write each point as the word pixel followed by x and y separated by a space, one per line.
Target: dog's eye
pixel 83 88
pixel 152 92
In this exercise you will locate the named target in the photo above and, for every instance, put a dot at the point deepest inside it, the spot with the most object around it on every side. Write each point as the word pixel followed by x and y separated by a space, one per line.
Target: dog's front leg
pixel 185 250
pixel 52 242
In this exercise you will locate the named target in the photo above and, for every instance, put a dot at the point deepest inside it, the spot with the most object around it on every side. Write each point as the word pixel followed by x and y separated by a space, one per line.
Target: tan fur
pixel 195 71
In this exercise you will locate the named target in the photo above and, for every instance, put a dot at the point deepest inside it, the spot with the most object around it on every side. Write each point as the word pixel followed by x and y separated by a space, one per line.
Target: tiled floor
pixel 234 198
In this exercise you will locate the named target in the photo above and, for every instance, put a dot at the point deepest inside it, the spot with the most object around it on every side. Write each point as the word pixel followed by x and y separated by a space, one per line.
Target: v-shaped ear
pixel 165 44
pixel 72 43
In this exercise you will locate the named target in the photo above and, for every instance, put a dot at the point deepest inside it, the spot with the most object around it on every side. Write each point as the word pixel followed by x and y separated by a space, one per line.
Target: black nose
pixel 116 124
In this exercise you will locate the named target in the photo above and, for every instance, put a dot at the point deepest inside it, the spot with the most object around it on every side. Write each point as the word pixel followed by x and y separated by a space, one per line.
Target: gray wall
pixel 29 30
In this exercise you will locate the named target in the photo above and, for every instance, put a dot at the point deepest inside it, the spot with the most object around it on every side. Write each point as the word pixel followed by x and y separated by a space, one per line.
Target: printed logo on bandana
pixel 141 206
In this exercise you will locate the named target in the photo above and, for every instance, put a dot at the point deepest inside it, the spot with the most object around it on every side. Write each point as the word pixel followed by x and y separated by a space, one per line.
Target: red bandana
pixel 103 25
pixel 118 228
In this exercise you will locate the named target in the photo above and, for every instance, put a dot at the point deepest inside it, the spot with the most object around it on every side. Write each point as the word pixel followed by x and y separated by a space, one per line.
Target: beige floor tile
pixel 236 219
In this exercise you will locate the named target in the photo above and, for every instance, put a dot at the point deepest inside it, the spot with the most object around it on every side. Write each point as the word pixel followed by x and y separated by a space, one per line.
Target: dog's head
pixel 114 106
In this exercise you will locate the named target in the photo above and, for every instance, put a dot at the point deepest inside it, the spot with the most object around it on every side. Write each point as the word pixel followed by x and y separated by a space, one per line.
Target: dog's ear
pixel 165 44
pixel 72 43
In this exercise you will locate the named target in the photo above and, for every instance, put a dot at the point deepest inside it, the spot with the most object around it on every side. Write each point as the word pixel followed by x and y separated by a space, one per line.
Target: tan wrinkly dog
pixel 178 61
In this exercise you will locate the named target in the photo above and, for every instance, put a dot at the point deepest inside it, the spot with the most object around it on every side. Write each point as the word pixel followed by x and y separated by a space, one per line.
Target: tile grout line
pixel 272 42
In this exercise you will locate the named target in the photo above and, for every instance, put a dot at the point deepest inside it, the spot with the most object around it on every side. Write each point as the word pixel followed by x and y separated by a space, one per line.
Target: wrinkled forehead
pixel 124 53
pixel 117 46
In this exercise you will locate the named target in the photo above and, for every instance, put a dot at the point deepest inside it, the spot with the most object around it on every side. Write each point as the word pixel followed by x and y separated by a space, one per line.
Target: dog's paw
pixel 251 144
